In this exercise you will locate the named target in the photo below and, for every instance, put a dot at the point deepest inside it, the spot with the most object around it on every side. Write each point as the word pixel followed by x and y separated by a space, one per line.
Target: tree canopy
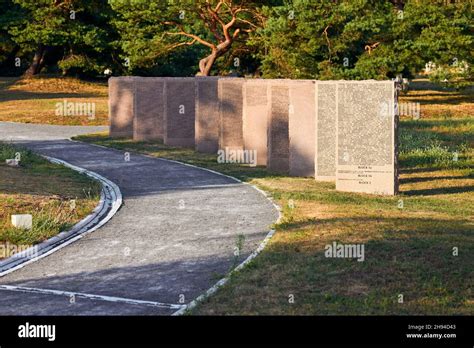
pixel 326 39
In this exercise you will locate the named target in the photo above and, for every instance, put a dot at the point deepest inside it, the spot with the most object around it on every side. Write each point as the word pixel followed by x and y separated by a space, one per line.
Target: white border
pixel 110 203
pixel 71 294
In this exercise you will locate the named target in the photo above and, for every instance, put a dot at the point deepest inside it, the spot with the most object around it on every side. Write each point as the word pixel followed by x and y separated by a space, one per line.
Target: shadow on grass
pixel 394 226
pixel 427 123
pixel 22 95
pixel 451 99
pixel 6 83
pixel 37 176
pixel 28 89
pixel 414 170
pixel 431 178
pixel 410 256
pixel 439 191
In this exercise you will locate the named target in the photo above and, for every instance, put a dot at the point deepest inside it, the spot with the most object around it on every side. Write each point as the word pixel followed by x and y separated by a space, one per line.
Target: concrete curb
pixel 110 203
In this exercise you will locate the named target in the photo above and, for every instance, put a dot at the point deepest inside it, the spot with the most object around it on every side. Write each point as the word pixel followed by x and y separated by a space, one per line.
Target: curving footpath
pixel 173 239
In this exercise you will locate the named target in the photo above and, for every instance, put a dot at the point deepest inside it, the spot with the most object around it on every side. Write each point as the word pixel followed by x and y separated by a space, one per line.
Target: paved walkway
pixel 173 238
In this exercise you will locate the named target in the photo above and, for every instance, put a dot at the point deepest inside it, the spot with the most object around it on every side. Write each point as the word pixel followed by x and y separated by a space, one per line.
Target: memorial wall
pixel 255 118
pixel 179 116
pixel 121 106
pixel 342 131
pixel 365 137
pixel 302 128
pixel 278 148
pixel 325 131
pixel 149 109
pixel 207 115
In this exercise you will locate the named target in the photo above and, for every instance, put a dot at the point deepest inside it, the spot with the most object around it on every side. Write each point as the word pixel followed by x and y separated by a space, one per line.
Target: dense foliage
pixel 326 39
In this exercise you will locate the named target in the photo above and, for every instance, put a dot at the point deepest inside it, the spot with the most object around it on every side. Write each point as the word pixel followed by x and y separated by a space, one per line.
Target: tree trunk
pixel 205 64
pixel 38 61
pixel 399 4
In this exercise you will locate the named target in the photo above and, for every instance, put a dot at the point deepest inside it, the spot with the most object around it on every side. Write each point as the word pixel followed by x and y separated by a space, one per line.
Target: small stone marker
pixel 24 221
pixel 12 162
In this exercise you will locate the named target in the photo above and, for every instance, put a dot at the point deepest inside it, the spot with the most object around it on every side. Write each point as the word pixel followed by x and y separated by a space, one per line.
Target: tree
pixel 75 32
pixel 324 39
pixel 362 39
pixel 8 48
pixel 437 32
pixel 152 29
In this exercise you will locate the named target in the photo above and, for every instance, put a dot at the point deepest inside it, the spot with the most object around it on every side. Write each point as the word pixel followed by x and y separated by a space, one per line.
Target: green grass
pixel 56 196
pixel 437 143
pixel 409 239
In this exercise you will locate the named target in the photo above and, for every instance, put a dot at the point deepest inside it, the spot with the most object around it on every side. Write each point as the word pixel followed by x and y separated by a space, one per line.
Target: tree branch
pixel 184 33
pixel 189 43
pixel 325 32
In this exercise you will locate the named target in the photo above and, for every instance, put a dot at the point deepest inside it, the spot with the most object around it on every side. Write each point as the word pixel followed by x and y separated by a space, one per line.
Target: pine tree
pixel 73 32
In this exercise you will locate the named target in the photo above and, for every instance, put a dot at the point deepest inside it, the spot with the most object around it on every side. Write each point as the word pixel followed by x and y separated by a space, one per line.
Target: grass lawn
pixel 439 102
pixel 34 100
pixel 409 239
pixel 56 196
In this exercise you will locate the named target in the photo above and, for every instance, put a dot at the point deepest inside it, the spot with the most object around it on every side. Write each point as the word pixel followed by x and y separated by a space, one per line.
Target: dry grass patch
pixel 34 100
pixel 437 101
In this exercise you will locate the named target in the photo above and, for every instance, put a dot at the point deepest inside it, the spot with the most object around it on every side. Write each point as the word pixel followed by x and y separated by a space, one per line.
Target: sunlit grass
pixel 55 196
pixel 439 102
pixel 34 100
